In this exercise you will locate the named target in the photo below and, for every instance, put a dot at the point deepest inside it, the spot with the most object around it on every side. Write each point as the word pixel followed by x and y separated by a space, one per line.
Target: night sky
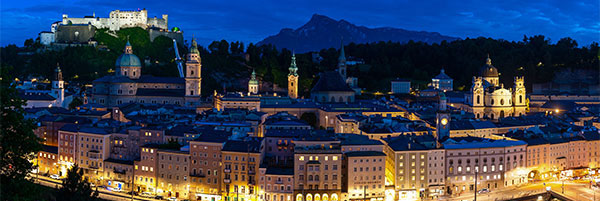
pixel 251 21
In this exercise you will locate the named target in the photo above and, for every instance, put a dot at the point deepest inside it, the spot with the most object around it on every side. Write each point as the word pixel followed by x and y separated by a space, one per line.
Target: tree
pixel 75 187
pixel 19 143
pixel 310 118
pixel 75 103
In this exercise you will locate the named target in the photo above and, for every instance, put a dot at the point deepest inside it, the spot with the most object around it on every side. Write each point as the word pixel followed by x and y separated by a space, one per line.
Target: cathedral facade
pixel 129 86
pixel 489 99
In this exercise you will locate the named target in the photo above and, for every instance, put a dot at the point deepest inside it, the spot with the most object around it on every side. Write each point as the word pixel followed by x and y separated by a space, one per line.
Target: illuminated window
pixel 335 158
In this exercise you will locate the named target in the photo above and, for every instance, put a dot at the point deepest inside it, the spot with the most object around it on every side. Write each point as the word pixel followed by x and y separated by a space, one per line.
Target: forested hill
pixel 229 64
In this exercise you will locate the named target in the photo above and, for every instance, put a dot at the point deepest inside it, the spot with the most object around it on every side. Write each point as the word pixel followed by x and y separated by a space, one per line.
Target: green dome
pixel 128 60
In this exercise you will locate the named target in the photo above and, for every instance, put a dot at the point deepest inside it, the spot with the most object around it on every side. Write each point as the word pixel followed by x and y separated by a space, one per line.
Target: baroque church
pixel 128 85
pixel 489 99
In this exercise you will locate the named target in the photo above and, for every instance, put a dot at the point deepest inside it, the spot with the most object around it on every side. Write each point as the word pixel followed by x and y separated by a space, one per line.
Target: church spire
pixel 194 48
pixel 488 61
pixel 342 57
pixel 128 49
pixel 293 68
pixel 57 73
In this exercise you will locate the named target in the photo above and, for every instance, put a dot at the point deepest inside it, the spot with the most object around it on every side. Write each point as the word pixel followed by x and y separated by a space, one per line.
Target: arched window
pixel 325 197
pixel 309 197
pixel 299 197
pixel 492 101
pixel 502 101
pixel 334 197
pixel 478 101
pixel 332 99
pixel 492 115
pixel 317 197
pixel 520 98
pixel 192 72
pixel 502 114
pixel 477 115
pixel 323 99
pixel 341 99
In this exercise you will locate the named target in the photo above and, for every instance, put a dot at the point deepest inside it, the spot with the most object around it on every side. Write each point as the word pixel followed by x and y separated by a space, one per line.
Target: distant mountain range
pixel 323 32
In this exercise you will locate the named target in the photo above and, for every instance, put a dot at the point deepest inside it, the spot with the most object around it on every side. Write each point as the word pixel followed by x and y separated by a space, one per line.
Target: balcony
pixel 279 182
pixel 226 181
pixel 227 170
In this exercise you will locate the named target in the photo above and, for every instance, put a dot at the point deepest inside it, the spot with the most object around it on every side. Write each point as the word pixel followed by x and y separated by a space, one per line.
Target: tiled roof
pixel 50 149
pixel 152 79
pixel 161 92
pixel 364 153
pixel 252 145
pixel 36 96
pixel 331 81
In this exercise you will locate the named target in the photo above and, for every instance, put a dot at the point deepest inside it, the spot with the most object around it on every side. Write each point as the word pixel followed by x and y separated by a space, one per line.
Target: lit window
pixel 301 158
pixel 335 158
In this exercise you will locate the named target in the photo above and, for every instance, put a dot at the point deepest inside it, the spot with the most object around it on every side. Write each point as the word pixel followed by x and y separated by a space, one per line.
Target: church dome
pixel 128 59
pixel 488 70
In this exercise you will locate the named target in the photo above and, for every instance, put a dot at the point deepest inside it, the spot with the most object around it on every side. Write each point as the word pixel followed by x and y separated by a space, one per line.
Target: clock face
pixel 444 121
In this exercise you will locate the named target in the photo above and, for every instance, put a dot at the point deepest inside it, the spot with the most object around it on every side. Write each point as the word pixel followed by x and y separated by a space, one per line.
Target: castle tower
pixel 128 64
pixel 58 90
pixel 193 75
pixel 442 119
pixel 253 84
pixel 293 79
pixel 342 62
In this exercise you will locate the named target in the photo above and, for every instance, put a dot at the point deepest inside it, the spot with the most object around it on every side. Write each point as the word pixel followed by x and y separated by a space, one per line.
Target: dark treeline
pixel 229 64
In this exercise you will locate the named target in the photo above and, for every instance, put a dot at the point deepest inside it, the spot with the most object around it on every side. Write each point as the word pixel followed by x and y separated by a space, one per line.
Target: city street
pixel 574 190
pixel 103 193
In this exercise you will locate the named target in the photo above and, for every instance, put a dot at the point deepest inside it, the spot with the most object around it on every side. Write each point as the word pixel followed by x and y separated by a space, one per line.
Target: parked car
pixel 146 194
pixel 158 197
pixel 172 199
pixel 54 176
pixel 483 190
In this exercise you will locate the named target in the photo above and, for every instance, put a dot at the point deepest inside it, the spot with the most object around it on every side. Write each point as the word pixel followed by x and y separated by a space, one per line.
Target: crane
pixel 178 59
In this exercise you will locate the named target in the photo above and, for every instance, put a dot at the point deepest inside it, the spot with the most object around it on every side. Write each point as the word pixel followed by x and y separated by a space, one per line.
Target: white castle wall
pixel 120 19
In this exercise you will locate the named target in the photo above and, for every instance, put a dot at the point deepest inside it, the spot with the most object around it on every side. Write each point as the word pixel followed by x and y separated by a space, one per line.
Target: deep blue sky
pixel 251 21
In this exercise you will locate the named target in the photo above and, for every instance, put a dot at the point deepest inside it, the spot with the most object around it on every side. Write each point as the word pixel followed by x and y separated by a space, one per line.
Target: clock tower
pixel 442 119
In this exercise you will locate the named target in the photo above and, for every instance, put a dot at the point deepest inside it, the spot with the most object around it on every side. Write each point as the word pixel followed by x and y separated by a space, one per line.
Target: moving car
pixel 54 176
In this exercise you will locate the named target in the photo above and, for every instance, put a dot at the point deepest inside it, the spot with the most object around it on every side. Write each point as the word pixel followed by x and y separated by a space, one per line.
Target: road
pixel 103 193
pixel 575 190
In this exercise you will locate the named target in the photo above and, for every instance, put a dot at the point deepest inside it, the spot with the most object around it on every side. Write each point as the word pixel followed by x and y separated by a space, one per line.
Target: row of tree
pixel 230 63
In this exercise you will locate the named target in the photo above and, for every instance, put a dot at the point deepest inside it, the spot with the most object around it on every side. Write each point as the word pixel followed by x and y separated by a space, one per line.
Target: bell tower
pixel 253 84
pixel 293 79
pixel 442 119
pixel 58 90
pixel 193 75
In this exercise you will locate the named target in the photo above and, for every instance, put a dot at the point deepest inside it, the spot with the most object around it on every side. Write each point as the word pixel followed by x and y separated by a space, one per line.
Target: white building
pixel 489 99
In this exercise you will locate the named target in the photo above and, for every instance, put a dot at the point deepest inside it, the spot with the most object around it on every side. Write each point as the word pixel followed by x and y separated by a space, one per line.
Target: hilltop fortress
pixel 118 19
